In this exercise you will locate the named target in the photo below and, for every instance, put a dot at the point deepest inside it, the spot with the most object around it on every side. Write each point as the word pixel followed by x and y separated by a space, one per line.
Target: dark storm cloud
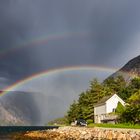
pixel 108 27
pixel 15 27
pixel 113 24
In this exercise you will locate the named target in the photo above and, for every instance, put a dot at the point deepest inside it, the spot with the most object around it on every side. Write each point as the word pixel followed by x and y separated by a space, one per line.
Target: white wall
pixel 108 107
pixel 100 110
pixel 113 102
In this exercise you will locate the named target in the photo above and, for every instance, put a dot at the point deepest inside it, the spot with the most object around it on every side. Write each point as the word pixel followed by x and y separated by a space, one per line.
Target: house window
pixel 113 110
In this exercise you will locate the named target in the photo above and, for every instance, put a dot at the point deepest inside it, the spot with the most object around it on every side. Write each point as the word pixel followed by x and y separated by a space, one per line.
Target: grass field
pixel 128 126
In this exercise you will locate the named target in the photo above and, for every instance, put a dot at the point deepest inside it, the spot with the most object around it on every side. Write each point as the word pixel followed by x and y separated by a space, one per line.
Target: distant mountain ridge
pixel 7 117
pixel 130 69
pixel 18 108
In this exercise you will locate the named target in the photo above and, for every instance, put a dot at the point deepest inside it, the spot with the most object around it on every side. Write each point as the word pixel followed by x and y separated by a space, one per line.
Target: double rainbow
pixel 54 71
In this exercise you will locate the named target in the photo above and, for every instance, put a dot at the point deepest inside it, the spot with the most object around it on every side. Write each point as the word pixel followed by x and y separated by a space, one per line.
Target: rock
pixel 128 137
pixel 109 135
pixel 81 133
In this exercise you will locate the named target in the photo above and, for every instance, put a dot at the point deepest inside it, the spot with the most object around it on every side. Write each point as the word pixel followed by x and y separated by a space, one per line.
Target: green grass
pixel 128 126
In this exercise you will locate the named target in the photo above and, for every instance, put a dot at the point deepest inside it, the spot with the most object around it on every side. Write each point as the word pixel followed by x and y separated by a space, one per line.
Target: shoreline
pixel 81 133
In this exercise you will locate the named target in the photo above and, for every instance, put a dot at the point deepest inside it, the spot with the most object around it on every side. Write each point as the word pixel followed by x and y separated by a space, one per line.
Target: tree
pixel 135 83
pixel 132 112
pixel 84 107
pixel 120 109
pixel 132 87
pixel 116 85
pixel 73 112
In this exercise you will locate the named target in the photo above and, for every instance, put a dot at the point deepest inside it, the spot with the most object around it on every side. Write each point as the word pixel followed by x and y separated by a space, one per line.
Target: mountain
pixel 18 108
pixel 9 118
pixel 130 69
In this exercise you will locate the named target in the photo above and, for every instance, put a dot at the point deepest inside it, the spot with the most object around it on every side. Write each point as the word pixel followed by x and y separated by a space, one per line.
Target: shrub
pixel 89 121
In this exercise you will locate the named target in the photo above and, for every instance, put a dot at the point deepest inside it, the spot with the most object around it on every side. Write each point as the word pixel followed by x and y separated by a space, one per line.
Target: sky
pixel 41 35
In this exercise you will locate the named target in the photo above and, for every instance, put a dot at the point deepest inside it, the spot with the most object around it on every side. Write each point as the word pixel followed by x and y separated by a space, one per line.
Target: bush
pixel 89 121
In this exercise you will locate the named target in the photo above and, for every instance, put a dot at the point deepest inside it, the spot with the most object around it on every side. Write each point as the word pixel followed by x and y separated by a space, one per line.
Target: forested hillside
pixel 129 92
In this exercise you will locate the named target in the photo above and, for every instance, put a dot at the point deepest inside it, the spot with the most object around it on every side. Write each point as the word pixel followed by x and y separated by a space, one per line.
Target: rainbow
pixel 54 71
pixel 58 70
pixel 43 40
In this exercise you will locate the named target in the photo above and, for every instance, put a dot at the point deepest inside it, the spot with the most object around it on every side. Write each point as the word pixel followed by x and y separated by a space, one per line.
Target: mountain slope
pixel 130 69
pixel 8 118
pixel 18 108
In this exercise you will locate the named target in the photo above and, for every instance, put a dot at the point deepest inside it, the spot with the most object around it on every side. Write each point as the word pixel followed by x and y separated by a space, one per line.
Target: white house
pixel 105 106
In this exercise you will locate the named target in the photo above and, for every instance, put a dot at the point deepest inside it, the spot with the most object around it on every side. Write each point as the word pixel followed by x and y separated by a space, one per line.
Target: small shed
pixel 106 106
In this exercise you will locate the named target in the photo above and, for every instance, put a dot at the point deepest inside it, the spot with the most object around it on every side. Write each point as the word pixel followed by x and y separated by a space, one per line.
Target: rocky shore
pixel 81 133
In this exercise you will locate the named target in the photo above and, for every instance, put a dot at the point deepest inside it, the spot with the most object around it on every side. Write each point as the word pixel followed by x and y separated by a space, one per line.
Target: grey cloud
pixel 109 26
pixel 113 24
